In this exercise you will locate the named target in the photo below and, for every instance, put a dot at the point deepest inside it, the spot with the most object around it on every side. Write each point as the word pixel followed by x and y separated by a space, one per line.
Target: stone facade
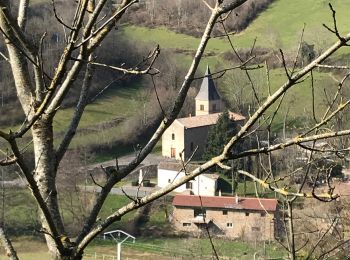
pixel 233 222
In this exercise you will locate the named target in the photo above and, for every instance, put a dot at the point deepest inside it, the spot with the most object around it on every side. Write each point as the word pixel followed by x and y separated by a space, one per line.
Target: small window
pixel 224 212
pixel 246 214
pixel 229 225
pixel 201 107
pixel 263 214
pixel 191 146
pixel 173 136
pixel 169 181
pixel 255 228
pixel 214 107
pixel 189 185
pixel 186 224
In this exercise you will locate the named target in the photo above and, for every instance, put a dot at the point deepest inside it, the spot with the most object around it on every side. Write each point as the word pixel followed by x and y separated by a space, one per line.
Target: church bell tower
pixel 208 100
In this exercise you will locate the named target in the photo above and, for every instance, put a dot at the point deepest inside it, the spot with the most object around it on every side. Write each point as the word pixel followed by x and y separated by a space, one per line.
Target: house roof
pixel 176 166
pixel 225 202
pixel 206 120
pixel 208 90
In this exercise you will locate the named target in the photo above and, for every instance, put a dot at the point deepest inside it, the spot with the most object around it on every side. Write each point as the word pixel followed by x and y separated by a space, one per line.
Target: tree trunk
pixel 45 173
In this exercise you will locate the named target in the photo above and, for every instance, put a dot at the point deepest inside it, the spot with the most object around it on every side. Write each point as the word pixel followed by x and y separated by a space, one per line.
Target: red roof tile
pixel 225 202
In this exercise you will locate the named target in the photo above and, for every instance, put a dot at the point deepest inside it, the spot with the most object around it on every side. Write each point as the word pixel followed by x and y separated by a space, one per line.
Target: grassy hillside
pixel 278 26
pixel 285 19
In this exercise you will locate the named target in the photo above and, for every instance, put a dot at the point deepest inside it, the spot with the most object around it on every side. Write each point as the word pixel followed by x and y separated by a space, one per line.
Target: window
pixel 246 214
pixel 172 136
pixel 255 229
pixel 201 107
pixel 186 224
pixel 229 225
pixel 189 185
pixel 169 181
pixel 263 214
pixel 224 212
pixel 191 146
pixel 199 212
pixel 214 107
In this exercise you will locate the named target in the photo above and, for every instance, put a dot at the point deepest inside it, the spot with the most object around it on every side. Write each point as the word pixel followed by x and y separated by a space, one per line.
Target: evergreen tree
pixel 218 136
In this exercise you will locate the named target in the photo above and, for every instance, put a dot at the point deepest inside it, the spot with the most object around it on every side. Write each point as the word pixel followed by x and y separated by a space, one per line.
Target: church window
pixel 172 136
pixel 201 107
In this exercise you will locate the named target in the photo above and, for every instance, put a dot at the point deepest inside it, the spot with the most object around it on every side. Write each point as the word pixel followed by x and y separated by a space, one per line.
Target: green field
pixel 279 26
pixel 150 248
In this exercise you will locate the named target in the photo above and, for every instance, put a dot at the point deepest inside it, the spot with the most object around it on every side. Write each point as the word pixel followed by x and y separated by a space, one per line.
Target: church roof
pixel 208 90
pixel 206 120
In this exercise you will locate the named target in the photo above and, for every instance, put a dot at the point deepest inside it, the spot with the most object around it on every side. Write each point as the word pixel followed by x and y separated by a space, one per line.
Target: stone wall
pixel 233 224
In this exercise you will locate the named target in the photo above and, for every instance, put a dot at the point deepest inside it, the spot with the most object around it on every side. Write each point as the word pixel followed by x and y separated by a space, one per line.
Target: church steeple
pixel 208 100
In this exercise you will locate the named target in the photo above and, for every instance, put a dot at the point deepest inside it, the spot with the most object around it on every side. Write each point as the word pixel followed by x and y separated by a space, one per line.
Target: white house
pixel 204 184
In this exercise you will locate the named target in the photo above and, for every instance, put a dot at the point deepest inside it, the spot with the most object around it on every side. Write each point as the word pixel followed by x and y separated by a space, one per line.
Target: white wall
pixel 201 185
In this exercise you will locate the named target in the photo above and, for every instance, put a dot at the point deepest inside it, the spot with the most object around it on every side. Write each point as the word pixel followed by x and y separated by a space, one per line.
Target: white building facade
pixel 204 184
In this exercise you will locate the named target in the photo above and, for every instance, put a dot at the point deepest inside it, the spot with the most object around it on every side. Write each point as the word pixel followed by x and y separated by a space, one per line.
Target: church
pixel 187 136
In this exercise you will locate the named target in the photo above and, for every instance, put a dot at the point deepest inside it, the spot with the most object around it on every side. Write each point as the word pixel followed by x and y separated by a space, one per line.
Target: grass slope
pixel 285 19
pixel 278 27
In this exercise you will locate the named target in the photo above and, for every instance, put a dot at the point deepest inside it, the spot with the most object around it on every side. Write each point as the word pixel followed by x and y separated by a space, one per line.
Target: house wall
pixel 208 107
pixel 201 185
pixel 178 143
pixel 237 224
pixel 198 137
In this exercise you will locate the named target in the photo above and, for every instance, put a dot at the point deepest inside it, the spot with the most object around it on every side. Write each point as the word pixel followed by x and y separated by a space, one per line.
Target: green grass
pixel 279 26
pixel 29 248
pixel 282 22
pixel 20 212
pixel 192 247
pixel 118 103
pixel 273 28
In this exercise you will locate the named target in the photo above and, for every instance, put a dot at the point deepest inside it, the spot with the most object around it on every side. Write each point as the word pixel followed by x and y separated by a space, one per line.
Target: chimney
pixel 237 200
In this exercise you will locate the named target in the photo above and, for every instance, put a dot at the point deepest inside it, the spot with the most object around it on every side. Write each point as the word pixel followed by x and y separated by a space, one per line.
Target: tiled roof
pixel 177 166
pixel 208 90
pixel 206 120
pixel 225 202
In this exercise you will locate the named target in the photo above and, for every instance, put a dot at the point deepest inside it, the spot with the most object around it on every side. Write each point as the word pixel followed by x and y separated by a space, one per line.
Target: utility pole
pixel 117 236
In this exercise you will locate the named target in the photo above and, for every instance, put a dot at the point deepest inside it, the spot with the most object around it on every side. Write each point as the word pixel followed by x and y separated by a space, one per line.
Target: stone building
pixel 189 134
pixel 204 184
pixel 229 217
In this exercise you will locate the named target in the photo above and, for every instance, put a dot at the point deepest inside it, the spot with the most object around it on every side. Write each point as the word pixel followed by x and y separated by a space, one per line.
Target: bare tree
pixel 42 92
